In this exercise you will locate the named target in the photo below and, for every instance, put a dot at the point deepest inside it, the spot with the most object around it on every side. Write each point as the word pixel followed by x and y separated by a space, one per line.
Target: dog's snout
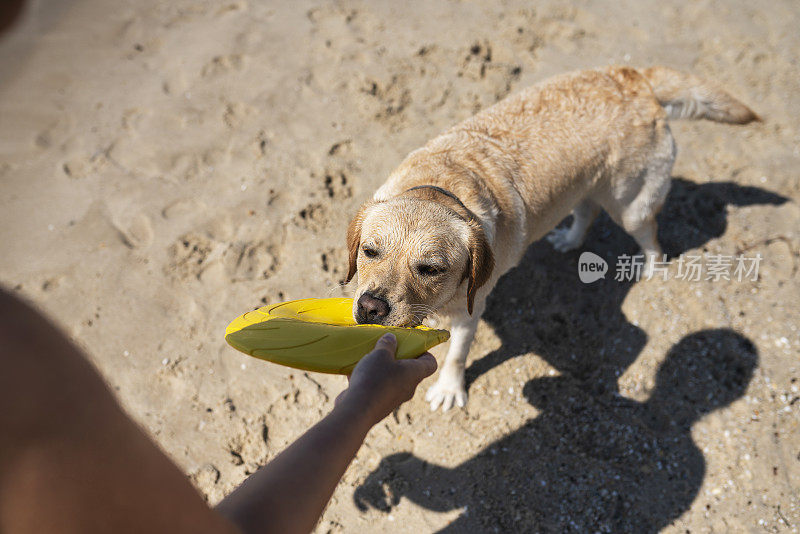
pixel 372 309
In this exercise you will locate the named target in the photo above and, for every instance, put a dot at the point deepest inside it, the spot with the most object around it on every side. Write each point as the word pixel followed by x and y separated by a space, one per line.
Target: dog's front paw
pixel 446 392
pixel 562 241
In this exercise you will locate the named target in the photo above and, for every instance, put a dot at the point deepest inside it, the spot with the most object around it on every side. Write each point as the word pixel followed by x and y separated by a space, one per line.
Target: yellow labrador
pixel 461 211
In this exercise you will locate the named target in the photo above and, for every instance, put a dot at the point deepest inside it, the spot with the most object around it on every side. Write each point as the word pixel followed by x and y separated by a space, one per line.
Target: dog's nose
pixel 371 309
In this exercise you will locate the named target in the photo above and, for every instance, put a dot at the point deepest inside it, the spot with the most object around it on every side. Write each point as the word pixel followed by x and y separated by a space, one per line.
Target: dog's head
pixel 413 255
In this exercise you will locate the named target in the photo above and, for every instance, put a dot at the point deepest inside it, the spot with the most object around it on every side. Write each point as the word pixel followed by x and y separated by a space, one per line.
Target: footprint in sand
pixel 336 185
pixel 198 256
pixel 236 113
pixel 220 65
pixel 251 261
pixel 331 262
pixel 313 217
pixel 189 256
pixel 139 233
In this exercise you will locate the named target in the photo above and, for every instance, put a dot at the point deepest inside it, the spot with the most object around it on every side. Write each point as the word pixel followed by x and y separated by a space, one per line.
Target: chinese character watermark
pixel 690 268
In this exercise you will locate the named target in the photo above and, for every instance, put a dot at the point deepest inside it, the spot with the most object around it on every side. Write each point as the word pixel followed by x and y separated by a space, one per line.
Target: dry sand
pixel 168 165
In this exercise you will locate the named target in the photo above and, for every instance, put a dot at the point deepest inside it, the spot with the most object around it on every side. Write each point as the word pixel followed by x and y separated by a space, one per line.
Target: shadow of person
pixel 695 213
pixel 541 306
pixel 619 463
pixel 588 462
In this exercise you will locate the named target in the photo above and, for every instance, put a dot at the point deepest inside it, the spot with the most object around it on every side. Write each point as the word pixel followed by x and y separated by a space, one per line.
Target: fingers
pixel 430 361
pixel 387 343
pixel 419 368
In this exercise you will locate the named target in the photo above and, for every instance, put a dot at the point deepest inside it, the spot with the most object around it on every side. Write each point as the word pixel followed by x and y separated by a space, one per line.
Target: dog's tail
pixel 688 97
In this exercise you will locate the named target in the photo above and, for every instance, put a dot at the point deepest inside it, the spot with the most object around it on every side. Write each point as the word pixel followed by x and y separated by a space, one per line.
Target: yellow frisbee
pixel 320 335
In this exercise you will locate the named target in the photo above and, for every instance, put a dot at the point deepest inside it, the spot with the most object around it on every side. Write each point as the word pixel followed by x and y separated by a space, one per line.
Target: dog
pixel 461 211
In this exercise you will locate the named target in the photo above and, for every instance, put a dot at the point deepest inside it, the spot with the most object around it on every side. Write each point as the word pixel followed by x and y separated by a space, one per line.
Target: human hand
pixel 379 383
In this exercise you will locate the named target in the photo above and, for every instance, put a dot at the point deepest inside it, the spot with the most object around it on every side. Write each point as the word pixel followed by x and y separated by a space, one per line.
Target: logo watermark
pixel 591 267
pixel 690 268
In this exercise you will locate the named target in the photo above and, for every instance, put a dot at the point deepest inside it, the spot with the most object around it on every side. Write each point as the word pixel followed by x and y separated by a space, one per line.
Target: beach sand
pixel 168 165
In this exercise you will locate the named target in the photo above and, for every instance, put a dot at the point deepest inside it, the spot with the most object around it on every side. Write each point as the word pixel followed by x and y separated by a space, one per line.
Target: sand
pixel 166 166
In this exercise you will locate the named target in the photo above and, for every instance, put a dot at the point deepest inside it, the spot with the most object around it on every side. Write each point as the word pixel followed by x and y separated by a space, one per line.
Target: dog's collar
pixel 449 194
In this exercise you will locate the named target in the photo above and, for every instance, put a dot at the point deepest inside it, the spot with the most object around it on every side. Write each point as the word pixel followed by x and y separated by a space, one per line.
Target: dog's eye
pixel 370 252
pixel 428 270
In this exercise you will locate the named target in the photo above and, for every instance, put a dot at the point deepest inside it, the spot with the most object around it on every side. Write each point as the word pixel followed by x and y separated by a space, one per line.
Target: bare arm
pixel 72 461
pixel 290 493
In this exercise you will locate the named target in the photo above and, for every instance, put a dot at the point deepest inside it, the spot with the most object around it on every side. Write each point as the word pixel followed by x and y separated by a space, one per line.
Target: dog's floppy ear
pixel 480 264
pixel 353 240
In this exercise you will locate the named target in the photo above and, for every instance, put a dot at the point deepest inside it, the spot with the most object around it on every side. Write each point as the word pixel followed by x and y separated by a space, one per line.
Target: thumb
pixel 421 367
pixel 388 343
